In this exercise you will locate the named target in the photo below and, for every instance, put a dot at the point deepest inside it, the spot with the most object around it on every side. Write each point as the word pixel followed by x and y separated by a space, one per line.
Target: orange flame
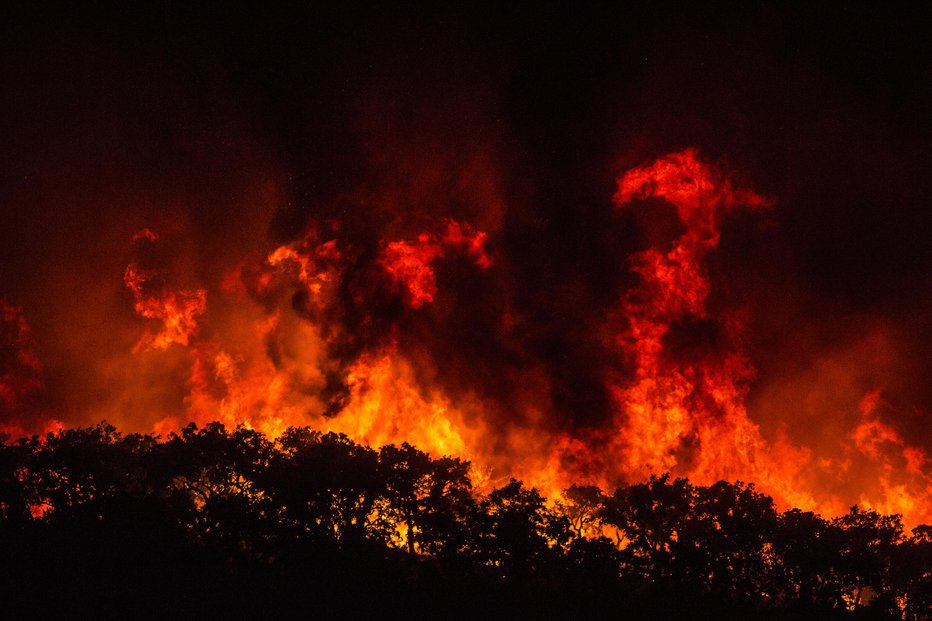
pixel 176 310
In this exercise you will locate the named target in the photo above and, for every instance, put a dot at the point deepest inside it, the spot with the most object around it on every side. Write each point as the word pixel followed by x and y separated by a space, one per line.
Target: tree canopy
pixel 211 521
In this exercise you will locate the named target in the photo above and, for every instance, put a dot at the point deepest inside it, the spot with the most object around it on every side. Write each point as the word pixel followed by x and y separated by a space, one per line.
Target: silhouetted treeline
pixel 212 523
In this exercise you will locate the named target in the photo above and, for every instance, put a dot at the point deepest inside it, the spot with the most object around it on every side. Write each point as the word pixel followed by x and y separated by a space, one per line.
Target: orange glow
pixel 19 373
pixel 386 405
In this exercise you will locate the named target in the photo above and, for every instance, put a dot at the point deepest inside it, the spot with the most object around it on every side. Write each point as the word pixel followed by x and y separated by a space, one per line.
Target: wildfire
pixel 317 332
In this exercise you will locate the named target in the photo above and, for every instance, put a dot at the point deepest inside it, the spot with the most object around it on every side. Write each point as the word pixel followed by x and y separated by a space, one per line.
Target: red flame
pixel 683 408
pixel 410 264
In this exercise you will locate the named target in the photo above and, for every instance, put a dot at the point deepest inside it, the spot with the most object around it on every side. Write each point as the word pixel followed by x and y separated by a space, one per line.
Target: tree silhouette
pixel 911 574
pixel 805 557
pixel 214 522
pixel 866 543
pixel 15 499
pixel 729 533
pixel 650 518
pixel 428 497
pixel 582 506
pixel 517 530
pixel 327 485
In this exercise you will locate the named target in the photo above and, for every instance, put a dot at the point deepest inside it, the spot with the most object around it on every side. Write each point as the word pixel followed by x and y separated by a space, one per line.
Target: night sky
pixel 229 131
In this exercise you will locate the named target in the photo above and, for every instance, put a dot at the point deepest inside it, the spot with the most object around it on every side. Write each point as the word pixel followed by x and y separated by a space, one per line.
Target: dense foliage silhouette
pixel 212 523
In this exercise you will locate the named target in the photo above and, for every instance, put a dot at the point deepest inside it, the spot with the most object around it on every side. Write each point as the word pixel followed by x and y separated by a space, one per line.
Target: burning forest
pixel 545 260
pixel 345 330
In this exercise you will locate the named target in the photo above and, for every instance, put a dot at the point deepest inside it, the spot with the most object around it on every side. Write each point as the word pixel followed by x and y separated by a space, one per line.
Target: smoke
pixel 20 368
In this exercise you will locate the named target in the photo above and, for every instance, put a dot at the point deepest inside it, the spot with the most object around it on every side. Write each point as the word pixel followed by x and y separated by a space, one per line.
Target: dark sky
pixel 116 119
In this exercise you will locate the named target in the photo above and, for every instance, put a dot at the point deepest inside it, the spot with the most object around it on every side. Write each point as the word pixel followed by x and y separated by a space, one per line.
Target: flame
pixel 900 483
pixel 318 332
pixel 682 408
pixel 385 405
pixel 178 311
pixel 310 258
pixel 410 264
pixel 685 412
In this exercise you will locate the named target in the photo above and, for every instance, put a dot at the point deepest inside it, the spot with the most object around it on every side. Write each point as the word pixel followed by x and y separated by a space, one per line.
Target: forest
pixel 211 522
